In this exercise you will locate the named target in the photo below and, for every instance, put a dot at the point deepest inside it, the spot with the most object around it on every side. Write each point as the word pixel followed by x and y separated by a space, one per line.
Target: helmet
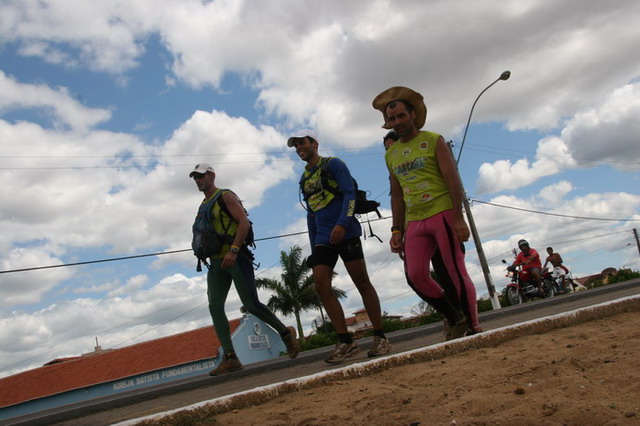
pixel 523 243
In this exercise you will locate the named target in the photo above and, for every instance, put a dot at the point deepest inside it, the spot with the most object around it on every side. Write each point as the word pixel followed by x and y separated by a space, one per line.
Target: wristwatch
pixel 234 249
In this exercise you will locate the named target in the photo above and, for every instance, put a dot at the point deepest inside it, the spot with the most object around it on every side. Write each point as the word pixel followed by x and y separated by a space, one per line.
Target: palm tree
pixel 295 293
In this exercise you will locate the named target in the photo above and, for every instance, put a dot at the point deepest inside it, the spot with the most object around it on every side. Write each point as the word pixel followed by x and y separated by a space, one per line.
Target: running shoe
pixel 291 342
pixel 455 331
pixel 381 346
pixel 342 352
pixel 229 363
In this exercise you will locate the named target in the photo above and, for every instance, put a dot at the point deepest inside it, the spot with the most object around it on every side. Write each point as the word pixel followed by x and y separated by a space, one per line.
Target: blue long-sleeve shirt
pixel 339 211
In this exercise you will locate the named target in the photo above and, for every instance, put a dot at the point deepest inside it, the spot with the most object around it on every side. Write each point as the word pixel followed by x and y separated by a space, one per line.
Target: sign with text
pixel 257 342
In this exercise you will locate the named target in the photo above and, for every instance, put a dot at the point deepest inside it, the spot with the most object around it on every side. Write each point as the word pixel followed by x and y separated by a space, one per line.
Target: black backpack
pixel 206 241
pixel 362 206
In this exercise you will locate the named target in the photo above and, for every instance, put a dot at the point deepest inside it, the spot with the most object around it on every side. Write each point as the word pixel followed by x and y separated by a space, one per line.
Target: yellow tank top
pixel 414 164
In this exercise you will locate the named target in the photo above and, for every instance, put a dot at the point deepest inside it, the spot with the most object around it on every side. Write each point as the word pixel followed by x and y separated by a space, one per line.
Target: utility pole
pixel 495 301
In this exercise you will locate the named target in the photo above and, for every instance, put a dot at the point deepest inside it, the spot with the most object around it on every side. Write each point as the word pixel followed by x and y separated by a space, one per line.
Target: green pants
pixel 218 285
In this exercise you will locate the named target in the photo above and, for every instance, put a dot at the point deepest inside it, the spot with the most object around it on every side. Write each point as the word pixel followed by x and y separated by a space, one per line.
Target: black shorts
pixel 348 250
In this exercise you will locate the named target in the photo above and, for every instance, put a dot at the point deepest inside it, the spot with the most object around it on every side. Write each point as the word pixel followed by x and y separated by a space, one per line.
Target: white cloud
pixel 104 37
pixel 607 133
pixel 300 65
pixel 31 339
pixel 556 192
pixel 58 102
pixel 29 287
pixel 501 228
pixel 110 202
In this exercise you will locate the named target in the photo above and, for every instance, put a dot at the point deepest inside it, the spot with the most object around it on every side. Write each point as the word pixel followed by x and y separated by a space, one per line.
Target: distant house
pixel 360 321
pixel 603 276
pixel 65 381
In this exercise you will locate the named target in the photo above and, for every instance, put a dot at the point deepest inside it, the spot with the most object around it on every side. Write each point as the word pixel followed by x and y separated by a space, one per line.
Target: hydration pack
pixel 362 204
pixel 206 240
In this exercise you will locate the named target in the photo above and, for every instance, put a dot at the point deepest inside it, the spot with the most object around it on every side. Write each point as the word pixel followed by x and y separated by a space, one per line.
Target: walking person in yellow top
pixel 426 203
pixel 233 261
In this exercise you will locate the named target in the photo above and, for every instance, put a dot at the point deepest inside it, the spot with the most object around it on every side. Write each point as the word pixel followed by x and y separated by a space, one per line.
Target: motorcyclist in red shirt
pixel 530 261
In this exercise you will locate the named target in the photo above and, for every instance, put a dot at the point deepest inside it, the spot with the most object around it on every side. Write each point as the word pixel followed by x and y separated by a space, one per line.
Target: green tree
pixel 294 293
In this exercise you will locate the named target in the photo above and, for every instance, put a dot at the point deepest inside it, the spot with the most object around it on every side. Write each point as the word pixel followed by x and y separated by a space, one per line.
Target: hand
pixel 396 244
pixel 337 234
pixel 461 229
pixel 229 260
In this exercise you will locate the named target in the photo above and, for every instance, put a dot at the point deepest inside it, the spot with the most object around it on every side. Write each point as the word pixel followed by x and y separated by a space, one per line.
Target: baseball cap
pixel 201 168
pixel 301 134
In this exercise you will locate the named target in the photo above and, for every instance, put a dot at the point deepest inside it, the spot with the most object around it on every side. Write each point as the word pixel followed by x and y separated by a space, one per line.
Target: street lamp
pixel 504 76
pixel 495 301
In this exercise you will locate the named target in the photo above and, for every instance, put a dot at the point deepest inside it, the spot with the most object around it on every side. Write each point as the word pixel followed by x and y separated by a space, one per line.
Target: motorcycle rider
pixel 530 261
pixel 559 270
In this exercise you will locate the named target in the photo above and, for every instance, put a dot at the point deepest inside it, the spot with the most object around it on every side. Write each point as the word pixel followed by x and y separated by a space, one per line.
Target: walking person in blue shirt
pixel 329 193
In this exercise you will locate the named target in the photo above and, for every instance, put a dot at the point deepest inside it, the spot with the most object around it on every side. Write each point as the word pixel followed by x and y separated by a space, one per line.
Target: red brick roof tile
pixel 110 365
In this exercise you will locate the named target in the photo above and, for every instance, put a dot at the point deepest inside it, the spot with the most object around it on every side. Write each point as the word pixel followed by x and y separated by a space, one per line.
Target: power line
pixel 356 153
pixel 198 155
pixel 299 233
pixel 556 214
pixel 136 256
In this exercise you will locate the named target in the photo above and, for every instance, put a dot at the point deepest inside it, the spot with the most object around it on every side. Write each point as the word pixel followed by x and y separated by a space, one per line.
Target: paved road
pixel 201 388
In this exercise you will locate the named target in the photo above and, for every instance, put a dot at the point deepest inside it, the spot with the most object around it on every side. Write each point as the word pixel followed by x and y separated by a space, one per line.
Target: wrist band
pixel 396 231
pixel 235 246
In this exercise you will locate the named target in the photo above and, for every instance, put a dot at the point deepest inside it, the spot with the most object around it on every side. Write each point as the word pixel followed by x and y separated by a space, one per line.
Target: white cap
pixel 301 134
pixel 201 168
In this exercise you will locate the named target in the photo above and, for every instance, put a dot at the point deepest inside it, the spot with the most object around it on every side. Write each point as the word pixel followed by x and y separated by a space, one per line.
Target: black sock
pixel 345 338
pixel 379 333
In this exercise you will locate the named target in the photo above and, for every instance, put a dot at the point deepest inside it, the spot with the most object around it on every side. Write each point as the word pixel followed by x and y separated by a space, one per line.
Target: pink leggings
pixel 420 242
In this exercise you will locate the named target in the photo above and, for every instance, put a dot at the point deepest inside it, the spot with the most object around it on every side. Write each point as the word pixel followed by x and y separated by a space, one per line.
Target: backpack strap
pixel 225 210
pixel 325 175
pixel 249 240
pixel 211 202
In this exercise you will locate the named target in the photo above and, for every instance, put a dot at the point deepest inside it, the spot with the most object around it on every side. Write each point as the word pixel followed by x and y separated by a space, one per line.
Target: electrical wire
pixel 556 214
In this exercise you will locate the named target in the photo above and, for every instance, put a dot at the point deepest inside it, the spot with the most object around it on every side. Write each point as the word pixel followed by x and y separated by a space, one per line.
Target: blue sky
pixel 104 110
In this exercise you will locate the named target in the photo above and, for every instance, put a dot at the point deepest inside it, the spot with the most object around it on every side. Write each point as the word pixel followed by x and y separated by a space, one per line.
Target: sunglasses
pixel 198 176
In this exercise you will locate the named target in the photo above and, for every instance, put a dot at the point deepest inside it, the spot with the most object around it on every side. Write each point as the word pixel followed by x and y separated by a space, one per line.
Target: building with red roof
pixel 100 373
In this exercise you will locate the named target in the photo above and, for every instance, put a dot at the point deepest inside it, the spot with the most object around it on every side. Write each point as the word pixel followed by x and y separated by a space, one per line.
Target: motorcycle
pixel 522 287
pixel 557 282
pixel 564 283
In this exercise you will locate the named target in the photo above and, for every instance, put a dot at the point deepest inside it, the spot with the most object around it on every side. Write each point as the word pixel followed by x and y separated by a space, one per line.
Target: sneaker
pixel 471 330
pixel 381 346
pixel 291 342
pixel 229 363
pixel 342 352
pixel 455 331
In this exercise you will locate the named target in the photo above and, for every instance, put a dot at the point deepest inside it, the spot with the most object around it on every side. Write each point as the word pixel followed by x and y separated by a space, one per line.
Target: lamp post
pixel 495 302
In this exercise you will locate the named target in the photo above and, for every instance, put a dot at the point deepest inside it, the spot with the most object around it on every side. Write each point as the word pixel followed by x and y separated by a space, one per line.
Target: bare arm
pixel 449 172
pixel 398 213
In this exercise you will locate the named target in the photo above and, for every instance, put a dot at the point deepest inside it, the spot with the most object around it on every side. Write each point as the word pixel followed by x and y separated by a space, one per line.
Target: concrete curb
pixel 434 352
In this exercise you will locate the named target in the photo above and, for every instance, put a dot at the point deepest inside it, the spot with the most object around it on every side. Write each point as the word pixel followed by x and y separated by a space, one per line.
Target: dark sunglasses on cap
pixel 198 176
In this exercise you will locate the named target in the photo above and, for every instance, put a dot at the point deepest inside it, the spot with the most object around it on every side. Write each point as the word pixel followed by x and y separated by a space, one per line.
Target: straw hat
pixel 403 94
